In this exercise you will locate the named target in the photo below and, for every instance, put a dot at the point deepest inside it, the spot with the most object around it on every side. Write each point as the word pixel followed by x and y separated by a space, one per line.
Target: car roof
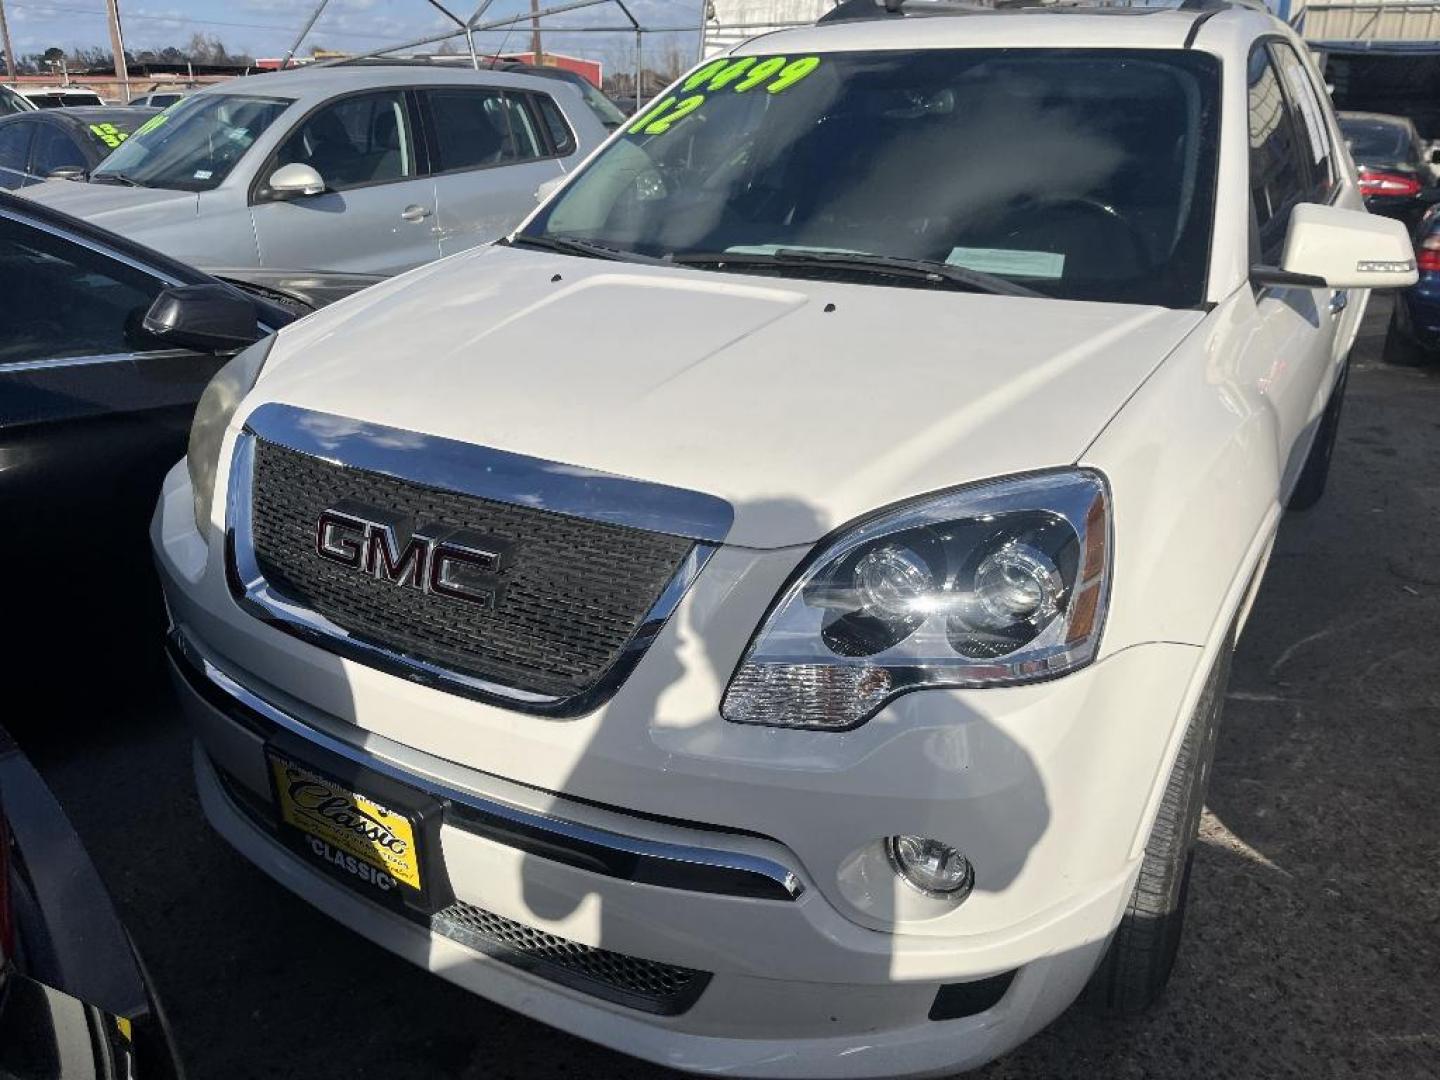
pixel 1386 119
pixel 317 83
pixel 944 26
pixel 81 115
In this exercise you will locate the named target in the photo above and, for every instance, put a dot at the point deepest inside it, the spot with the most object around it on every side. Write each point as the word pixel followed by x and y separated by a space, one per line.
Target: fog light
pixel 934 868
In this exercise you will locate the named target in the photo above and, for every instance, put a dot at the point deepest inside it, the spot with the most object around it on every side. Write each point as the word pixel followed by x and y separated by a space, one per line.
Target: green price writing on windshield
pixel 109 134
pixel 153 123
pixel 775 73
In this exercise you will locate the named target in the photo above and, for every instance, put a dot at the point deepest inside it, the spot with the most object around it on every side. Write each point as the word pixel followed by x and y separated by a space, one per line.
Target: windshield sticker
pixel 775 73
pixel 153 123
pixel 109 134
pixel 1009 262
pixel 203 174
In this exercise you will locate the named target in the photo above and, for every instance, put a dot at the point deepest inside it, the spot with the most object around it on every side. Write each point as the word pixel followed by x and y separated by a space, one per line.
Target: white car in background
pixel 360 169
pixel 772 614
pixel 61 97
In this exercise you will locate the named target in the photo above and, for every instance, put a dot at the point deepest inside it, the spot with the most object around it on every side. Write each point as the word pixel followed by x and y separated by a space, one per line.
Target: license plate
pixel 360 834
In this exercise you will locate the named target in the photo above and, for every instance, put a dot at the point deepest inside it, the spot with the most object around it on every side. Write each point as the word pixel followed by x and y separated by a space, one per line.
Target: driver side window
pixel 1279 173
pixel 354 142
pixel 66 300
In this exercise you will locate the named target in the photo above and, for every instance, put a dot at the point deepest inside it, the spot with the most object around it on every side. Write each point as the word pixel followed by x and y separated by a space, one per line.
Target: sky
pixel 269 27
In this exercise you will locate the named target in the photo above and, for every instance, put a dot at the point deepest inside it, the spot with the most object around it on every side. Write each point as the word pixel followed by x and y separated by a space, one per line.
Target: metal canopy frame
pixel 469 27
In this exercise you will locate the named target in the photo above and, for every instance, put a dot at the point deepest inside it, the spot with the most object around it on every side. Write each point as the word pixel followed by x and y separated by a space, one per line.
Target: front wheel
pixel 1137 965
pixel 1401 349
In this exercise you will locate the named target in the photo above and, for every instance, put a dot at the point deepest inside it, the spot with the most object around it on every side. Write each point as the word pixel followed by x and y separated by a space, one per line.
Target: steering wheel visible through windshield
pixel 1083 174
pixel 192 145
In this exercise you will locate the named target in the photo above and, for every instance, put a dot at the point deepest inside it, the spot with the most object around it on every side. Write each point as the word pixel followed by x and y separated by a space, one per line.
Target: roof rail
pixel 880 9
pixel 848 10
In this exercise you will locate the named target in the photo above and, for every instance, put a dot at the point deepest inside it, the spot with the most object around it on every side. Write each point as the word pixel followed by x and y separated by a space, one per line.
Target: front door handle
pixel 1338 301
pixel 416 212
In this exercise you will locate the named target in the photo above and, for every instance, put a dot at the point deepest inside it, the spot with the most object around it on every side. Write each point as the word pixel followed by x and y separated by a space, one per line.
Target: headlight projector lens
pixel 1018 583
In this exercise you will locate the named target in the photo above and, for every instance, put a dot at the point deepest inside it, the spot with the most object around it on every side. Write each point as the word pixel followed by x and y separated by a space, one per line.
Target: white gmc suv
pixel 771 614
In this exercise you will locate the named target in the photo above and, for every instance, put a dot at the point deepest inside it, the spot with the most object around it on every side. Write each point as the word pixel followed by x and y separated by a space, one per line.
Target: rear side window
pixel 1301 89
pixel 476 128
pixel 1279 174
pixel 561 137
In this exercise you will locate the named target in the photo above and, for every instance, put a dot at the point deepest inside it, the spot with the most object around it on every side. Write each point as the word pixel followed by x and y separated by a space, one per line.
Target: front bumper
pixel 1049 788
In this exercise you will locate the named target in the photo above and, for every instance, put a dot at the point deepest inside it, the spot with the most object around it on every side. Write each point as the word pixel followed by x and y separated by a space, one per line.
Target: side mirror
pixel 548 188
pixel 1434 156
pixel 1342 249
pixel 67 172
pixel 294 180
pixel 206 318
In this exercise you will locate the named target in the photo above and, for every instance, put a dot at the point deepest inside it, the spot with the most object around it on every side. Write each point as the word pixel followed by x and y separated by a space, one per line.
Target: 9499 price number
pixel 773 74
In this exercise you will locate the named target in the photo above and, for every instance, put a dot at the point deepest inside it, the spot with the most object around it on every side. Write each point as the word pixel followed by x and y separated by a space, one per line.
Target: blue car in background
pixel 1414 333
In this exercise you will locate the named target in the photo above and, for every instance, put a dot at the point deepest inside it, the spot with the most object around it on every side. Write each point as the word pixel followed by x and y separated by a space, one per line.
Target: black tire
pixel 1311 485
pixel 1401 349
pixel 1135 968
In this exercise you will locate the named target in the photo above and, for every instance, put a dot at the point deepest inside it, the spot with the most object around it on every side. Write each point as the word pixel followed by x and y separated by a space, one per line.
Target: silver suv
pixel 369 169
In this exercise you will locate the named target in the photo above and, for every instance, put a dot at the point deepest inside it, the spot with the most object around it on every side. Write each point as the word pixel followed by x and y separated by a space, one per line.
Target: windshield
pixel 109 129
pixel 603 108
pixel 192 145
pixel 1375 140
pixel 1080 174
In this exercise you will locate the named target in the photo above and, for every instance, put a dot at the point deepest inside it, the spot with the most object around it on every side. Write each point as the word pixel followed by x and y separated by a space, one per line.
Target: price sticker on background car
pixel 772 75
pixel 109 134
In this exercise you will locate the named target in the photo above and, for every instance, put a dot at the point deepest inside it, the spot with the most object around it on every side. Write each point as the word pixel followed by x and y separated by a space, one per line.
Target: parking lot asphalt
pixel 1313 942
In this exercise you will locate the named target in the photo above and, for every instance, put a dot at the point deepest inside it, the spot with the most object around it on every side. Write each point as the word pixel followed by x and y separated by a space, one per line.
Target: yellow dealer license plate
pixel 355 835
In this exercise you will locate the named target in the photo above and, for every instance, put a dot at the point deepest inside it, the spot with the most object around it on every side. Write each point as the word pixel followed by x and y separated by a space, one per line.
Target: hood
pixel 114 206
pixel 802 403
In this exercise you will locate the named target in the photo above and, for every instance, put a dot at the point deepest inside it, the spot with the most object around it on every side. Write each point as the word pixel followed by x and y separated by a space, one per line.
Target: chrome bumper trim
pixel 650 862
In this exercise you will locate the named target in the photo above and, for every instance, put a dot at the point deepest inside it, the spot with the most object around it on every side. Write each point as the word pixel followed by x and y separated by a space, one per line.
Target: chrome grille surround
pixel 448 468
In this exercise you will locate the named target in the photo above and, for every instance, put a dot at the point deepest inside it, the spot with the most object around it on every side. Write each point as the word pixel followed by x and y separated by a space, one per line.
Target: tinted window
pixel 11 102
pixel 1374 140
pixel 54 149
pixel 474 128
pixel 15 153
pixel 195 143
pixel 1301 89
pixel 62 299
pixel 561 137
pixel 1279 175
pixel 1086 174
pixel 354 141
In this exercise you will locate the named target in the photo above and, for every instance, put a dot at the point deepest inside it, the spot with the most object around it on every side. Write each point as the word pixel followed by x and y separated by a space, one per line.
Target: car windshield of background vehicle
pixel 1078 174
pixel 193 145
pixel 1374 140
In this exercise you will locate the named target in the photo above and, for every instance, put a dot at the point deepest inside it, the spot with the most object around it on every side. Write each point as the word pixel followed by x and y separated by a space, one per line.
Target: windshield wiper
pixel 588 248
pixel 893 265
pixel 116 177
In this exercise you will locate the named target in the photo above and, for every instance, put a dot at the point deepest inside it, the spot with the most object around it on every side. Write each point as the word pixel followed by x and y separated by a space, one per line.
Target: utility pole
pixel 5 44
pixel 117 46
pixel 536 49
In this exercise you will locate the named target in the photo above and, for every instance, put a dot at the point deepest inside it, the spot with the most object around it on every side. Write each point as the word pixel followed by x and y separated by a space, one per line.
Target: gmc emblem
pixel 434 559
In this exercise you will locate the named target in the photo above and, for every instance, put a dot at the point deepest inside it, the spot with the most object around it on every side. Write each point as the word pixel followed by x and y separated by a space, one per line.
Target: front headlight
pixel 212 416
pixel 1000 583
